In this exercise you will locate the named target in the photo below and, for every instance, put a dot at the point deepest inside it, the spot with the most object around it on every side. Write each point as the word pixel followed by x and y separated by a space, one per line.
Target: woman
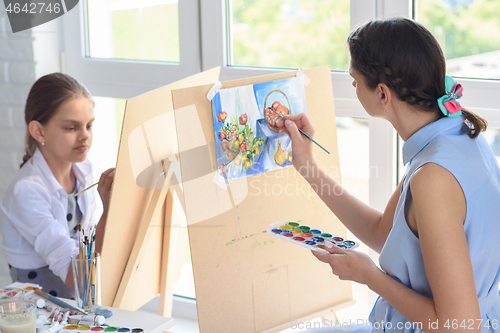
pixel 39 215
pixel 438 236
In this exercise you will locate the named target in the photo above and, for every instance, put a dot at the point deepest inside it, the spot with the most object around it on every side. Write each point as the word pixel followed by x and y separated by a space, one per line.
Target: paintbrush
pixel 76 194
pixel 302 132
pixel 58 301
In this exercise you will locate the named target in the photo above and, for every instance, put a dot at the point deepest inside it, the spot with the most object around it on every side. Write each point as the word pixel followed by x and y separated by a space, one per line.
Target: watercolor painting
pixel 247 139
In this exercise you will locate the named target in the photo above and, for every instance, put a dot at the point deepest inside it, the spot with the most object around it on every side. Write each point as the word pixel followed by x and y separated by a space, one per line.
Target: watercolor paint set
pixel 17 289
pixel 86 329
pixel 310 238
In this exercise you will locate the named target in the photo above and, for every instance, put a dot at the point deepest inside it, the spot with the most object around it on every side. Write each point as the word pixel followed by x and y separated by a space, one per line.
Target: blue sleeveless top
pixel 471 161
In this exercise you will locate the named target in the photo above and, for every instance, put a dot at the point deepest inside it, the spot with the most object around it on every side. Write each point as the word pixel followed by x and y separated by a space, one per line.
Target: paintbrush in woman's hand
pixel 301 131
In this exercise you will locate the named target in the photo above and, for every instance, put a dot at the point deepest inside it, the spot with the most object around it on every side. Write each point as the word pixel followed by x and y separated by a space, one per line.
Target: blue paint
pixel 310 243
pixel 318 239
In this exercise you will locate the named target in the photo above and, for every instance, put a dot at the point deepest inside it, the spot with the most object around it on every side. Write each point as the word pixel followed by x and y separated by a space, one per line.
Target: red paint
pixel 287 234
pixel 299 239
pixel 97 328
pixel 338 239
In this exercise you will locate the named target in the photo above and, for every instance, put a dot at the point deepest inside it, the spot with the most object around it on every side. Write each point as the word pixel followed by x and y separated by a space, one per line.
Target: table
pixel 151 323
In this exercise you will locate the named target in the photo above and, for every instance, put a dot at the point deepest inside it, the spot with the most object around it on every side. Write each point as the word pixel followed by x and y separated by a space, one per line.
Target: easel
pixel 142 233
pixel 161 204
pixel 254 284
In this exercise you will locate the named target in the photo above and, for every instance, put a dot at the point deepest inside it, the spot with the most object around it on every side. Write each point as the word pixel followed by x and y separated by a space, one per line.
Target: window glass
pixel 133 29
pixel 492 135
pixel 288 33
pixel 353 141
pixel 108 113
pixel 467 31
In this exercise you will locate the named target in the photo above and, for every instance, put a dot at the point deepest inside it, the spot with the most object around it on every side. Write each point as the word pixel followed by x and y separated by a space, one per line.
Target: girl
pixel 39 215
pixel 438 236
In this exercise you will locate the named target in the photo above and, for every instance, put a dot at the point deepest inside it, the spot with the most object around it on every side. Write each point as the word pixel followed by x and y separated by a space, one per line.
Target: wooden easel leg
pixel 330 317
pixel 174 242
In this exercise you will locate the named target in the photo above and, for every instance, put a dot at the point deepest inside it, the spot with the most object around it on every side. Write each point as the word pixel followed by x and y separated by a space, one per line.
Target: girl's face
pixel 68 133
pixel 369 98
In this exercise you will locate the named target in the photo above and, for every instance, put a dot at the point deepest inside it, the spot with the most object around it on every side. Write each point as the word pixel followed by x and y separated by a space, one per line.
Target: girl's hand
pixel 104 187
pixel 348 264
pixel 302 148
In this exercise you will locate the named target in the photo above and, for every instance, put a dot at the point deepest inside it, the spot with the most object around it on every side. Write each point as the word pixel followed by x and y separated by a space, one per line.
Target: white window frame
pixel 129 78
pixel 202 29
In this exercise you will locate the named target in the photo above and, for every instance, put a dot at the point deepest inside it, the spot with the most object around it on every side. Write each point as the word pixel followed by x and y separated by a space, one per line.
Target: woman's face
pixel 369 98
pixel 68 133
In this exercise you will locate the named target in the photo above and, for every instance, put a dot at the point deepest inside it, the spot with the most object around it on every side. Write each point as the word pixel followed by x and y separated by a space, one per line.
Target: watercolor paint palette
pixel 310 238
pixel 86 329
pixel 16 289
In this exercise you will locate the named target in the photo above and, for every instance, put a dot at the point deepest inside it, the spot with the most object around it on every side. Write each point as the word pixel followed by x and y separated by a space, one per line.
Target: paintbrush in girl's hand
pixel 301 131
pixel 76 194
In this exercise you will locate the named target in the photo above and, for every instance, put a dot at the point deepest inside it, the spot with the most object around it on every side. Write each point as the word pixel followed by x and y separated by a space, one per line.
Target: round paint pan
pixel 349 243
pixel 71 327
pixel 304 228
pixel 326 236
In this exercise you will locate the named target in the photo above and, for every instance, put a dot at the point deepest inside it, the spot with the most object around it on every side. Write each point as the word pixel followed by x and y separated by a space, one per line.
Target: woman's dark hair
pixel 405 56
pixel 45 96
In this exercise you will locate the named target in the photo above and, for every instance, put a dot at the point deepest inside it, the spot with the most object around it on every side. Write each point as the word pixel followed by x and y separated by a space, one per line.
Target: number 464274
pixel 471 323
pixel 33 8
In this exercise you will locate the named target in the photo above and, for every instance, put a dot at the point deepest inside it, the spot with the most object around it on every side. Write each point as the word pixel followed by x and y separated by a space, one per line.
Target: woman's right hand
pixel 302 147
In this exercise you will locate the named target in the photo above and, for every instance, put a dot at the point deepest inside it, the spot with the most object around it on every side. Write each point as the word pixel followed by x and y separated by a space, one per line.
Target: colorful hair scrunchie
pixel 448 103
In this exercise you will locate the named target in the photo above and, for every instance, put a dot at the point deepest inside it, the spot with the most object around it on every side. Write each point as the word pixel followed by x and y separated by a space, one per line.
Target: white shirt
pixel 33 216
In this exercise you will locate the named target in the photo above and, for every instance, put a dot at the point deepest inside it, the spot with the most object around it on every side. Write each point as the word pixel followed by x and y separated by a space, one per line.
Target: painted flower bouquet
pixel 238 142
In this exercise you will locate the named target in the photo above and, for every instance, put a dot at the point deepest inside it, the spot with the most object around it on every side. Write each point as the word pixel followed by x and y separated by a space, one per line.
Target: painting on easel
pixel 247 139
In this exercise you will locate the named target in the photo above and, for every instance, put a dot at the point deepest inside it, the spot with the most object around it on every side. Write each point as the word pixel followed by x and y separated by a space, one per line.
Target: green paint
pixel 255 245
pixel 304 228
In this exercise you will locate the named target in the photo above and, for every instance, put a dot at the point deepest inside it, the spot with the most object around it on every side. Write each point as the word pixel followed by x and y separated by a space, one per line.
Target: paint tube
pixel 40 320
pixel 99 320
pixel 38 301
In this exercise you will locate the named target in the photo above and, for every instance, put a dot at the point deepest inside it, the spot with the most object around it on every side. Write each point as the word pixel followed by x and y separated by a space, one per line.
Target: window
pixel 94 38
pixel 135 30
pixel 467 31
pixel 259 33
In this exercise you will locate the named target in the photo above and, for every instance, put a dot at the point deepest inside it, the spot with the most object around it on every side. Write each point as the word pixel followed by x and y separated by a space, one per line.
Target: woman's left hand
pixel 104 187
pixel 348 264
